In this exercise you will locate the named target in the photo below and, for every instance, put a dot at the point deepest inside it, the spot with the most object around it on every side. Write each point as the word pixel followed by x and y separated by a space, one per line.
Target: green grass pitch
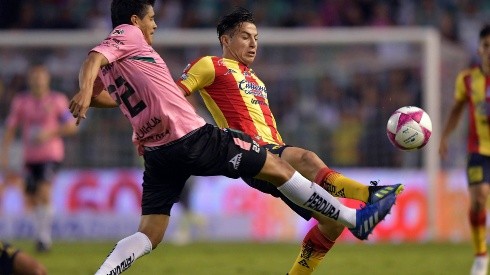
pixel 222 258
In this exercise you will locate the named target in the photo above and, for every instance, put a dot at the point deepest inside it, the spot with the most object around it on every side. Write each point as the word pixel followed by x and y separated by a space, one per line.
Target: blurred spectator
pixel 381 16
pixel 448 27
pixel 170 14
pixel 13 63
pixel 470 18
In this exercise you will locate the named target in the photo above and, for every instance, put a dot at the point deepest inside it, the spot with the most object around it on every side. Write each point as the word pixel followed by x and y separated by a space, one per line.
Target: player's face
pixel 38 80
pixel 484 50
pixel 147 25
pixel 242 44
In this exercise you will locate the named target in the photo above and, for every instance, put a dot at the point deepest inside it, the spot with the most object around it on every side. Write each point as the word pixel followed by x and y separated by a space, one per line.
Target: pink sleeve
pixel 15 112
pixel 122 42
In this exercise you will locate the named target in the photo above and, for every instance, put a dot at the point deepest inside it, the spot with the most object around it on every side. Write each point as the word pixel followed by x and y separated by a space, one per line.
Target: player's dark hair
pixel 229 23
pixel 122 10
pixel 485 31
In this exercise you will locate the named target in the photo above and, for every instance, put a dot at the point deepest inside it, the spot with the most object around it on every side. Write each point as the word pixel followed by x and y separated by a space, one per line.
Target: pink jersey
pixel 139 81
pixel 34 115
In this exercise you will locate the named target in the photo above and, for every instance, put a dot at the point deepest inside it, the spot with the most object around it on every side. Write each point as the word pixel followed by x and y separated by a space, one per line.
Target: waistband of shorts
pixel 155 148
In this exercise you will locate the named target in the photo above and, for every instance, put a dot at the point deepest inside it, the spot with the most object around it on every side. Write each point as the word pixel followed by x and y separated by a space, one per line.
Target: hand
pixel 79 105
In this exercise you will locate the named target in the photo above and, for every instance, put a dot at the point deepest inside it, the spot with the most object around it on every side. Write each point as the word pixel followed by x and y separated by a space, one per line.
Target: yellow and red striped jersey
pixel 473 87
pixel 234 95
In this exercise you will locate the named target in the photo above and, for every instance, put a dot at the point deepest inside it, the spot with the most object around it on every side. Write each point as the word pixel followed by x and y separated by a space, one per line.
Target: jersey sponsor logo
pixel 252 88
pixel 117 41
pixel 304 263
pixel 149 125
pixel 155 137
pixel 117 32
pixel 184 76
pixel 123 265
pixel 221 62
pixel 332 189
pixel 321 205
pixel 307 251
pixel 236 160
pixel 230 71
pixel 259 102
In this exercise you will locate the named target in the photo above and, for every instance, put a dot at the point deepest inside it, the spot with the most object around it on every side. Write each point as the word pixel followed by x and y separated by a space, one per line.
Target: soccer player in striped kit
pixel 237 98
pixel 125 71
pixel 472 88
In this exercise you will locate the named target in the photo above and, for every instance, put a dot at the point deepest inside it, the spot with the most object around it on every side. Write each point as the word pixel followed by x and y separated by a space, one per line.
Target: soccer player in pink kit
pixel 43 117
pixel 176 143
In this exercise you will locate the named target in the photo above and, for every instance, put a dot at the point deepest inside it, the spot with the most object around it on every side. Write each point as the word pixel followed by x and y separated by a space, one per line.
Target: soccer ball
pixel 409 128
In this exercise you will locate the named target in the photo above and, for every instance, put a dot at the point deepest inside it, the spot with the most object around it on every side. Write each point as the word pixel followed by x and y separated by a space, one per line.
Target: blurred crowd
pixel 338 111
pixel 456 19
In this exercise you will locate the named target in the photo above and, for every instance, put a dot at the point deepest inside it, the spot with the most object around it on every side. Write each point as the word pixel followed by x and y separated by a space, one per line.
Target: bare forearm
pixel 88 72
pixel 80 102
pixel 453 120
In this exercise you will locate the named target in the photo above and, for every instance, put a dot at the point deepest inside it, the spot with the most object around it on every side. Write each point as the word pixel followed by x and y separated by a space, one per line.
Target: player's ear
pixel 135 20
pixel 225 40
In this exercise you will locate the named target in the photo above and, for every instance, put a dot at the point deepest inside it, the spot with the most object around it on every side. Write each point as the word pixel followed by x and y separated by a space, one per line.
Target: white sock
pixel 44 221
pixel 310 196
pixel 125 253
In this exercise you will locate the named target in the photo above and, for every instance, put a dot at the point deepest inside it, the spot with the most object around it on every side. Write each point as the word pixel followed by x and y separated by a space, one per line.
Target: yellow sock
pixel 341 186
pixel 478 221
pixel 312 252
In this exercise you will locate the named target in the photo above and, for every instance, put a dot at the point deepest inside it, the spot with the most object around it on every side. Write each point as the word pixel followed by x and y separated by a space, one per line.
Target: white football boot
pixel 480 265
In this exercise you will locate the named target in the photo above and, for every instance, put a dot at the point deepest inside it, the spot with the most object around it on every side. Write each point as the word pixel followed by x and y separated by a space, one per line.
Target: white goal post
pixel 427 38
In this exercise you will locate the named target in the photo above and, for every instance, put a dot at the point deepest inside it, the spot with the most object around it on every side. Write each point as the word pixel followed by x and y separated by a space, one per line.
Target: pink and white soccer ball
pixel 409 128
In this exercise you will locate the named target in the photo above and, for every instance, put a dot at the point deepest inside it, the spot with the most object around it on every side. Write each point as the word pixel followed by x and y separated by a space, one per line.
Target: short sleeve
pixel 197 75
pixel 460 87
pixel 123 41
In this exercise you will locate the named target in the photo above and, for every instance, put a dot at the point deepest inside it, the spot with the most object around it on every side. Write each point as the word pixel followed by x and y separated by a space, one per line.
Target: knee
pixel 154 227
pixel 275 170
pixel 478 202
pixel 308 158
pixel 478 205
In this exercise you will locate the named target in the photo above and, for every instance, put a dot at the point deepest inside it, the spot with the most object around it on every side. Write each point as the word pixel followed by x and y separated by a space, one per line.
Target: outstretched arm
pixel 86 78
